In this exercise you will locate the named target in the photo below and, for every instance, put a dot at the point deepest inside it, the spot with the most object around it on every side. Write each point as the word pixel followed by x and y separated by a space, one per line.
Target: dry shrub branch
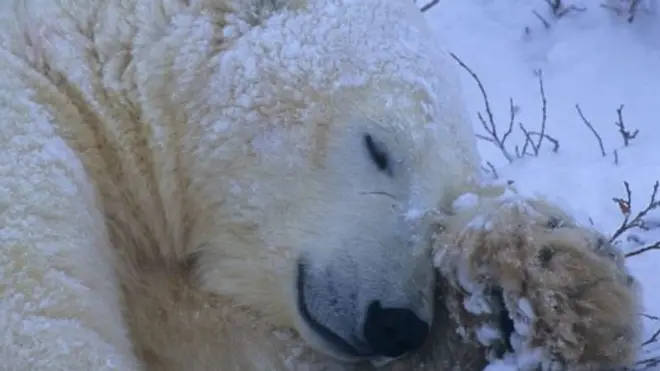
pixel 629 8
pixel 428 5
pixel 640 221
pixel 626 134
pixel 534 140
pixel 637 221
pixel 555 10
pixel 558 10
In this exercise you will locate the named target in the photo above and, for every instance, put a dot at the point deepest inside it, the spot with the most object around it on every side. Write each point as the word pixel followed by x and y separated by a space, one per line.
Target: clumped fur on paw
pixel 536 282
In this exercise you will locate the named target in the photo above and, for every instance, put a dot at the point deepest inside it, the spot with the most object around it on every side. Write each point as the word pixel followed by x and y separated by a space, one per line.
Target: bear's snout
pixel 360 319
pixel 393 332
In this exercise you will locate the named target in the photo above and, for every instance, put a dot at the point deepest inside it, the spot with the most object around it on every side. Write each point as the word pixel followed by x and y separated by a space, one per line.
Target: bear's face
pixel 363 276
pixel 338 246
pixel 341 127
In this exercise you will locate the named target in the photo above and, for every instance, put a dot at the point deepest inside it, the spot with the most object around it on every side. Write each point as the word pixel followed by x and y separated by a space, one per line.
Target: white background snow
pixel 594 58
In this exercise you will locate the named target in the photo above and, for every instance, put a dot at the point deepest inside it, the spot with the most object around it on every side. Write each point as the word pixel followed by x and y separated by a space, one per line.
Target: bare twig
pixel 513 110
pixel 625 133
pixel 533 139
pixel 653 338
pixel 654 360
pixel 616 157
pixel 489 125
pixel 546 24
pixel 528 142
pixel 491 169
pixel 647 363
pixel 638 220
pixel 559 9
pixel 654 246
pixel 555 5
pixel 649 316
pixel 554 141
pixel 544 113
pixel 429 5
pixel 586 122
pixel 633 8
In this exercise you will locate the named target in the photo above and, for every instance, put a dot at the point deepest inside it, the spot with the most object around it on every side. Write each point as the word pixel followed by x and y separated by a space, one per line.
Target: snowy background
pixel 601 56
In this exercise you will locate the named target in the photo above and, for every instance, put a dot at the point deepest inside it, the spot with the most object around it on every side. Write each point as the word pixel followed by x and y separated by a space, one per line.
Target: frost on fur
pixel 538 290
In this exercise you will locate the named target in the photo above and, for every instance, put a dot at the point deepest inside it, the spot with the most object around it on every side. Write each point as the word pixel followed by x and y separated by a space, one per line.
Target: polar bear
pixel 226 185
pixel 180 178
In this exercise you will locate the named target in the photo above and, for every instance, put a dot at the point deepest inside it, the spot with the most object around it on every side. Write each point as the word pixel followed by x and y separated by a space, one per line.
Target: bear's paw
pixel 535 288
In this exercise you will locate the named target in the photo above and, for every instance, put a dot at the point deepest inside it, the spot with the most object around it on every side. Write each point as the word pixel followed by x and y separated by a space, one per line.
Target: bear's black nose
pixel 392 332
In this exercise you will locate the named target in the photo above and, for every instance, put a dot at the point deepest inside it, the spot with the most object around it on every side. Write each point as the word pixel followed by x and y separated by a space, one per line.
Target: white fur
pixel 190 151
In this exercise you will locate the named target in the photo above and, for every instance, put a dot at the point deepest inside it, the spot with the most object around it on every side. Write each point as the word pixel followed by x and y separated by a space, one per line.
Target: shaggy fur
pixel 165 163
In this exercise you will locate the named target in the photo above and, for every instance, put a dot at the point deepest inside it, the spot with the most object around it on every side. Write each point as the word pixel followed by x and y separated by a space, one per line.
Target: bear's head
pixel 318 135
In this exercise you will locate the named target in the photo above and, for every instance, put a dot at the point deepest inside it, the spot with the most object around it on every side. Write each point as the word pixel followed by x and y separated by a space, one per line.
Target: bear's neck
pixel 107 98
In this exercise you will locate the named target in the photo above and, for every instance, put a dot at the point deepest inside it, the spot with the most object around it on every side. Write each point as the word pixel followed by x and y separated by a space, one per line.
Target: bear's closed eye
pixel 554 222
pixel 378 154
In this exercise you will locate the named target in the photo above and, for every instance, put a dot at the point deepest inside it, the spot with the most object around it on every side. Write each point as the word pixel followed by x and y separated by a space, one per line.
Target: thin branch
pixel 653 338
pixel 632 10
pixel 554 141
pixel 555 5
pixel 649 316
pixel 586 122
pixel 648 363
pixel 528 141
pixel 429 5
pixel 559 10
pixel 546 24
pixel 513 110
pixel 626 206
pixel 532 139
pixel 571 8
pixel 652 361
pixel 544 115
pixel 488 125
pixel 491 169
pixel 616 157
pixel 654 246
pixel 625 133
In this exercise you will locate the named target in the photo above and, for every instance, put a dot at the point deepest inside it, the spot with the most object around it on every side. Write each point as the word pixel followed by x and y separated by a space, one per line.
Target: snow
pixel 487 334
pixel 594 58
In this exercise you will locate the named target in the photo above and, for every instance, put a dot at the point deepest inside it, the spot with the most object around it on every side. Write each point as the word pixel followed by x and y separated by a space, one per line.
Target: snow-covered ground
pixel 590 56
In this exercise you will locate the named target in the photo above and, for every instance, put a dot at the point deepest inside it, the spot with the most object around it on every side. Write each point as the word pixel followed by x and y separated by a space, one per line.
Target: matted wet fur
pixel 534 281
